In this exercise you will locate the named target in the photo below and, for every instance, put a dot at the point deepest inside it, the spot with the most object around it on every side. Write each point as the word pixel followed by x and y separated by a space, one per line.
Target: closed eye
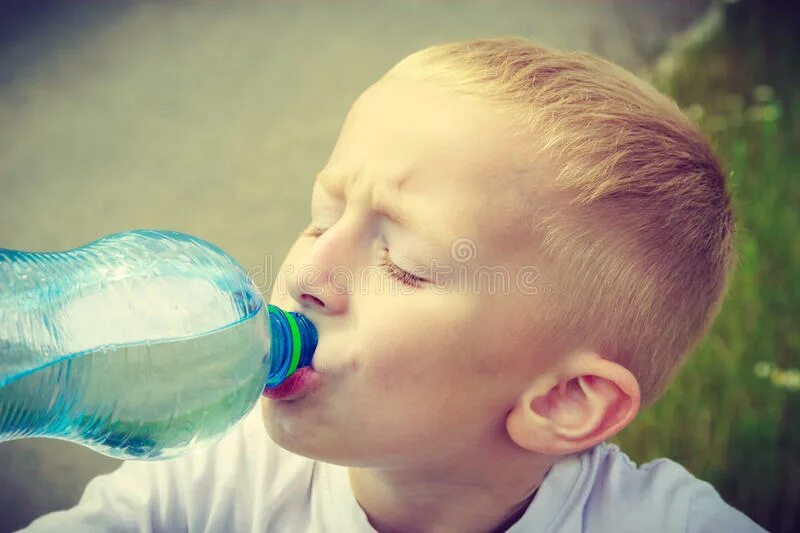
pixel 398 273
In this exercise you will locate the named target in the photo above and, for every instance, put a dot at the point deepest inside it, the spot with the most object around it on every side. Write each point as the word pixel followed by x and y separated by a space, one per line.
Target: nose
pixel 314 289
pixel 323 279
pixel 312 301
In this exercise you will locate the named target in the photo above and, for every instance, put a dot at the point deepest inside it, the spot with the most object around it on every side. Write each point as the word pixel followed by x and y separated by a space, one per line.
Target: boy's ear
pixel 577 404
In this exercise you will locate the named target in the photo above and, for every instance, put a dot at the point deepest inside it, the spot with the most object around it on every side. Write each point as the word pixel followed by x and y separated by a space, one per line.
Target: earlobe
pixel 586 400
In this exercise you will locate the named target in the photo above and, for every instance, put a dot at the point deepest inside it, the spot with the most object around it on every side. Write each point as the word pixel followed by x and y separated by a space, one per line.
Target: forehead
pixel 443 155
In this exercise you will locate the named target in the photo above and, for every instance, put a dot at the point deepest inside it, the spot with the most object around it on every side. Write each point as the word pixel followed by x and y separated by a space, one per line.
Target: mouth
pixel 295 386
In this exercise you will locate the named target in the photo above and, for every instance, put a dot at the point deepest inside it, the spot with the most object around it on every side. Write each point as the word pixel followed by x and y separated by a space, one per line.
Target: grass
pixel 732 416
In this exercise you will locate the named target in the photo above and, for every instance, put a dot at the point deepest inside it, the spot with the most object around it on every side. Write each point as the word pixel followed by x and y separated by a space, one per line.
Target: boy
pixel 441 402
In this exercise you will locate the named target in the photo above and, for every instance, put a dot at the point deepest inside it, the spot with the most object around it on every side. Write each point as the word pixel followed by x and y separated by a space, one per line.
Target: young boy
pixel 511 251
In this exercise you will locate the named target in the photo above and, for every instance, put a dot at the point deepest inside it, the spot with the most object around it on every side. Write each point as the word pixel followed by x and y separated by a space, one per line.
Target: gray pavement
pixel 212 119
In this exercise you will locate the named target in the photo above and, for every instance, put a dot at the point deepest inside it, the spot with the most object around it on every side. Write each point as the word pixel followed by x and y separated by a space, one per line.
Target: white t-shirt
pixel 246 483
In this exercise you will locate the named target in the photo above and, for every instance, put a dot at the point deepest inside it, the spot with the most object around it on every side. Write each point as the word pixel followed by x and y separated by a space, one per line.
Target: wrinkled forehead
pixel 452 158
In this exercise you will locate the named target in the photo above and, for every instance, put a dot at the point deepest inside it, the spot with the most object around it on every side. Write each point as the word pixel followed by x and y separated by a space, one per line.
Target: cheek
pixel 411 346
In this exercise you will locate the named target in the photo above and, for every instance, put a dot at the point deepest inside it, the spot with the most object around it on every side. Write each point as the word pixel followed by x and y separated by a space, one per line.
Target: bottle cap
pixel 293 341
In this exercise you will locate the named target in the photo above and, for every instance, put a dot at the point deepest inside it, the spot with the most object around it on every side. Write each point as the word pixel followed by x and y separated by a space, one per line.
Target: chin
pixel 285 429
pixel 291 435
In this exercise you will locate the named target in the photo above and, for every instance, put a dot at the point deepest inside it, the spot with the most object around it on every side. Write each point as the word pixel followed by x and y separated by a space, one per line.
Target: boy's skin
pixel 447 405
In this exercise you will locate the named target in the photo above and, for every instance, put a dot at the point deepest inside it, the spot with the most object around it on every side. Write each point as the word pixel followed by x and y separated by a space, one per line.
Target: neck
pixel 478 496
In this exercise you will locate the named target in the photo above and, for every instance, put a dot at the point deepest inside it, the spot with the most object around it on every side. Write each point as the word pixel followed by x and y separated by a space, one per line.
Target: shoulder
pixel 659 495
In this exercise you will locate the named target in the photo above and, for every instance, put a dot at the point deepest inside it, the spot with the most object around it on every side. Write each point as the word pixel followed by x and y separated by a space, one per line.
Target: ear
pixel 579 403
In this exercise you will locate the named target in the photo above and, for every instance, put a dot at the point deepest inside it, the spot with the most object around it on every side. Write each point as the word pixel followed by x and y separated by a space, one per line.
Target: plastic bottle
pixel 139 345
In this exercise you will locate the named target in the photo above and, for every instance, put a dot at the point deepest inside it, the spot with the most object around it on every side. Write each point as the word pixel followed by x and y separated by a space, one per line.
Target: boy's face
pixel 427 374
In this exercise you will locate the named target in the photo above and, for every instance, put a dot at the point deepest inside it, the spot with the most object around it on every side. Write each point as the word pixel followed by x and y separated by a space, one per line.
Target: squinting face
pixel 414 373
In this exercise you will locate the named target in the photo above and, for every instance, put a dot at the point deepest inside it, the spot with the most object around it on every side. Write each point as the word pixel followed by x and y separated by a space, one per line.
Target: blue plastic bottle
pixel 139 345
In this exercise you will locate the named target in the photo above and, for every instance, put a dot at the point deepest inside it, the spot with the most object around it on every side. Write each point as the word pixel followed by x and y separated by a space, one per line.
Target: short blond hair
pixel 641 237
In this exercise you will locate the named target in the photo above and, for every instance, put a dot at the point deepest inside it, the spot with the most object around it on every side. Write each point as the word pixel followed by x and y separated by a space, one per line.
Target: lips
pixel 295 386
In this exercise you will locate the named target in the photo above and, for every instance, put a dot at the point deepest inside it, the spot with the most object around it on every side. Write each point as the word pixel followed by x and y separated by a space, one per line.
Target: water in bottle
pixel 142 344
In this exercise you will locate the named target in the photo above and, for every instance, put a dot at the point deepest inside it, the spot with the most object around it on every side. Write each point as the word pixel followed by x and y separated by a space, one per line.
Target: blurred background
pixel 213 117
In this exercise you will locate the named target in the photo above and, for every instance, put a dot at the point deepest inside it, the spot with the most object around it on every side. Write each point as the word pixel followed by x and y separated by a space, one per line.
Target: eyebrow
pixel 333 183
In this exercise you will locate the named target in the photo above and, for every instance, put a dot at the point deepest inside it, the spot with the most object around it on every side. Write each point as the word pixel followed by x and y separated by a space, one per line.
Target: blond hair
pixel 642 234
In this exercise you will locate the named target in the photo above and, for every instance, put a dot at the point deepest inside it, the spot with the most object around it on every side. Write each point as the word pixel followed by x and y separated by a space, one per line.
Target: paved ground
pixel 212 119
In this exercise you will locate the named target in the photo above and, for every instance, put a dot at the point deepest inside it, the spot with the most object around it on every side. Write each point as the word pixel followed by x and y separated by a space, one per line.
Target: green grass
pixel 732 416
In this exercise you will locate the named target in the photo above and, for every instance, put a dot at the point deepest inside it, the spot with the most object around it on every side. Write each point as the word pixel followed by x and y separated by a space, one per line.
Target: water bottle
pixel 140 345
